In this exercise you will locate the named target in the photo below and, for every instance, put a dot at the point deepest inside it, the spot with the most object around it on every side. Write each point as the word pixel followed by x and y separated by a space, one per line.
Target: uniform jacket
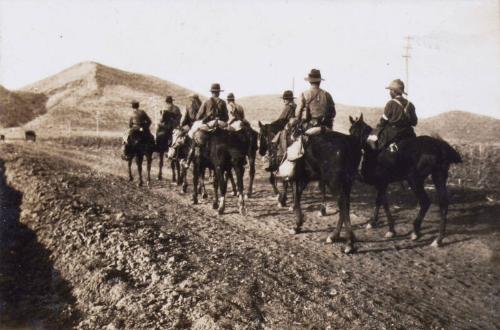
pixel 211 109
pixel 317 104
pixel 191 113
pixel 288 111
pixel 236 111
pixel 397 122
pixel 174 110
pixel 140 119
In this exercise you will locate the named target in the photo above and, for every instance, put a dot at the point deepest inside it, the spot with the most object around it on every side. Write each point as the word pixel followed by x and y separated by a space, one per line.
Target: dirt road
pixel 142 258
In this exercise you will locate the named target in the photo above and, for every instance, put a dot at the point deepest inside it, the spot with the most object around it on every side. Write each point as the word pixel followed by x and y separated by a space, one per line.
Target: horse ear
pixel 351 120
pixel 260 124
pixel 361 118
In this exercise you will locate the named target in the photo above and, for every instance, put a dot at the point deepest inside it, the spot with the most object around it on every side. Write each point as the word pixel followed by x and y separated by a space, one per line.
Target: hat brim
pixel 394 89
pixel 287 98
pixel 313 79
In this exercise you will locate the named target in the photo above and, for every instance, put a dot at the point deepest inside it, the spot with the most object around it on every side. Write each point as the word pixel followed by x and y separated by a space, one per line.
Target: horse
pixel 267 132
pixel 162 143
pixel 223 151
pixel 332 159
pixel 415 160
pixel 178 151
pixel 140 144
pixel 253 138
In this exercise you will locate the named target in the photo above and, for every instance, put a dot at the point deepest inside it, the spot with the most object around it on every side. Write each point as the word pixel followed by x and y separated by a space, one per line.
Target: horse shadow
pixel 32 292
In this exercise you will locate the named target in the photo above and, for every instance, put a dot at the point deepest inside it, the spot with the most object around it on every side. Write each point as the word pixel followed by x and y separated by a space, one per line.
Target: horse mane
pixel 278 124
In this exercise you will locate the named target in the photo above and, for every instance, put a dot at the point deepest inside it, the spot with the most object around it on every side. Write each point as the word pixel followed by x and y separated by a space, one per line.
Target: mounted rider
pixel 191 111
pixel 289 107
pixel 397 122
pixel 139 123
pixel 172 111
pixel 316 105
pixel 236 112
pixel 212 113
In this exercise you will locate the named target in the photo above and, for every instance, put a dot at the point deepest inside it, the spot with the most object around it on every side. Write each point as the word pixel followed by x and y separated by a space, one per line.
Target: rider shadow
pixel 32 293
pixel 422 243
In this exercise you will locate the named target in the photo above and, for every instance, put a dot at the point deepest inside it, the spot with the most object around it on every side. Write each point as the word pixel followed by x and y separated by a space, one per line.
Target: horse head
pixel 265 138
pixel 359 129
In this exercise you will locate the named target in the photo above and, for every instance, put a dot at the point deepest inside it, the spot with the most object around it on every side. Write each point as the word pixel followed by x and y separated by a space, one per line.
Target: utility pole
pixel 406 55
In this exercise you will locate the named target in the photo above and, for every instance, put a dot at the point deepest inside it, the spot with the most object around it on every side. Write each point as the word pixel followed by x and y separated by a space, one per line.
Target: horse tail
pixel 451 153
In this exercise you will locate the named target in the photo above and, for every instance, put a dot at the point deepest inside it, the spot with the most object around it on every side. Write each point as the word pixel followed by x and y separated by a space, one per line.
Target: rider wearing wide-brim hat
pixel 316 105
pixel 289 106
pixel 398 119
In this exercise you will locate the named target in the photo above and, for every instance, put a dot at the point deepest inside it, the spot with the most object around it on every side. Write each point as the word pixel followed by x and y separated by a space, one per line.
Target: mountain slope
pixel 18 108
pixel 462 126
pixel 83 92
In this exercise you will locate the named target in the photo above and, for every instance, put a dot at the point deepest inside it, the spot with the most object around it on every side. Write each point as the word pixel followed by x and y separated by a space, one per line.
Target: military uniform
pixel 139 123
pixel 191 112
pixel 175 111
pixel 398 119
pixel 317 106
pixel 211 109
pixel 236 111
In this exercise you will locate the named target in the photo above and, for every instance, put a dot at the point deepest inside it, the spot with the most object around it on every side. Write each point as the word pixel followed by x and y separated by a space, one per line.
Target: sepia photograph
pixel 266 164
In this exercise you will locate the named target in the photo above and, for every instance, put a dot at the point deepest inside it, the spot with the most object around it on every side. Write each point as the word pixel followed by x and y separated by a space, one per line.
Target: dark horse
pixel 252 137
pixel 223 151
pixel 163 142
pixel 332 159
pixel 141 144
pixel 416 159
pixel 267 132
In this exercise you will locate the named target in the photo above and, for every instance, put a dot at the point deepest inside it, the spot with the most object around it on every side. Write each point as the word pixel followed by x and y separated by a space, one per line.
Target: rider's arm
pixel 331 106
pixel 201 111
pixel 412 115
pixel 387 115
pixel 224 116
pixel 302 106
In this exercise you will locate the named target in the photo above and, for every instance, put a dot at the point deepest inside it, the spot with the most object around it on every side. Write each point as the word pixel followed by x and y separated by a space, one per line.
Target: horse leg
pixel 345 197
pixel 223 190
pixel 439 179
pixel 272 180
pixel 298 188
pixel 138 160
pixel 161 154
pixel 322 210
pixel 216 181
pixel 178 171
pixel 233 183
pixel 282 196
pixel 335 236
pixel 390 219
pixel 172 167
pixel 202 189
pixel 196 177
pixel 418 188
pixel 149 160
pixel 183 174
pixel 130 177
pixel 240 172
pixel 251 173
pixel 373 222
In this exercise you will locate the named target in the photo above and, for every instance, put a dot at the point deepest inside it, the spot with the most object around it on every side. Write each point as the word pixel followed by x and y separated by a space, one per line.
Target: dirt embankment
pixel 126 257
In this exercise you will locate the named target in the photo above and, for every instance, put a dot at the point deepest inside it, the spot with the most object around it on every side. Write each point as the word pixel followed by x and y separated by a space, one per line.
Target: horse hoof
pixel 220 211
pixel 414 236
pixel 204 196
pixel 322 213
pixel 215 205
pixel 141 184
pixel 332 238
pixel 195 201
pixel 390 234
pixel 246 196
pixel 294 231
pixel 277 197
pixel 184 190
pixel 130 179
pixel 349 249
pixel 243 211
pixel 280 206
pixel 159 178
pixel 436 243
pixel 370 225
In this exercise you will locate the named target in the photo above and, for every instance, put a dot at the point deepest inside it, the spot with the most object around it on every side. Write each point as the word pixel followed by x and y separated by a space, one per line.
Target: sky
pixel 264 47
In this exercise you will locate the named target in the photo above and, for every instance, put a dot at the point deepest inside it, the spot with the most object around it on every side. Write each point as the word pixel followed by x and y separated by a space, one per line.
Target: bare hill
pixel 461 126
pixel 77 95
pixel 18 108
pixel 267 108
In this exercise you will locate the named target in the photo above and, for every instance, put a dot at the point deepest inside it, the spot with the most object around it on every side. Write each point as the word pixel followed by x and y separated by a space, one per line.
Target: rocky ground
pixel 86 249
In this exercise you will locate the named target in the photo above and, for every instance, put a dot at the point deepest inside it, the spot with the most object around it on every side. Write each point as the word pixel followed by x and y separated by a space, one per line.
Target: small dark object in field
pixel 2 137
pixel 30 136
